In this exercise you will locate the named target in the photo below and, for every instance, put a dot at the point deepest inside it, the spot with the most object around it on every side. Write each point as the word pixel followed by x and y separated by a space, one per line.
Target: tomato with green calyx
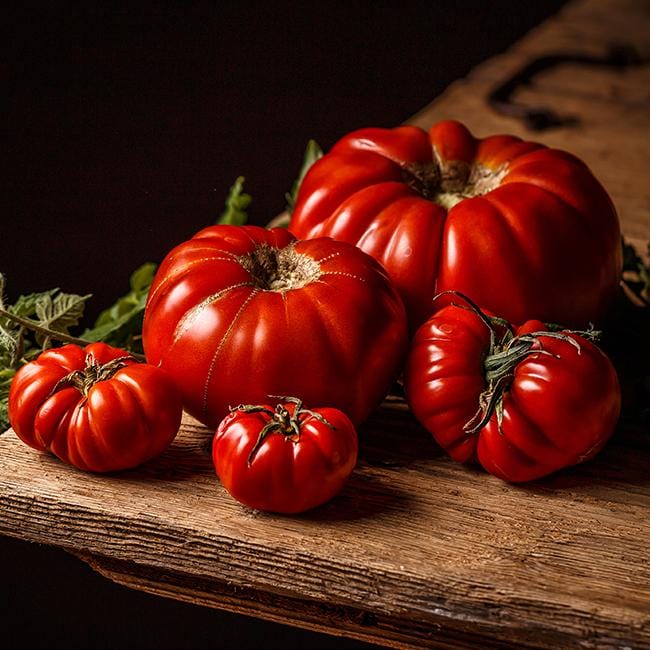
pixel 96 407
pixel 522 401
pixel 284 459
pixel 238 313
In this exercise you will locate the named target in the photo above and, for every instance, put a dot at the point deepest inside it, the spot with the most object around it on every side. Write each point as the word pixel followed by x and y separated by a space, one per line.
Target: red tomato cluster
pixel 402 234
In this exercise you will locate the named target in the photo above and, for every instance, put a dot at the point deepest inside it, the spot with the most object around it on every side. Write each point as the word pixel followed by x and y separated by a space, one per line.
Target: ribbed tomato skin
pixel 123 422
pixel 286 476
pixel 338 340
pixel 561 407
pixel 543 243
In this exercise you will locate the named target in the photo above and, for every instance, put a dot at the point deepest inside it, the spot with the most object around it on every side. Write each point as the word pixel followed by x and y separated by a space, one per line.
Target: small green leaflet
pixel 312 153
pixel 121 324
pixel 58 311
pixel 236 203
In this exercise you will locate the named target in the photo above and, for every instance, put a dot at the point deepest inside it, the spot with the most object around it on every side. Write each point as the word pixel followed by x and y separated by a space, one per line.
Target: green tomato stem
pixel 53 334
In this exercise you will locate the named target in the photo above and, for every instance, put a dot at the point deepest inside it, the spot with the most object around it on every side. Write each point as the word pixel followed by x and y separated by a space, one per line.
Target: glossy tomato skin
pixel 123 421
pixel 560 408
pixel 337 337
pixel 285 475
pixel 532 233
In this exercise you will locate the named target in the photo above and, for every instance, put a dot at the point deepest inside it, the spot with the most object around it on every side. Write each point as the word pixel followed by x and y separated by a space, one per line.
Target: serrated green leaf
pixel 25 306
pixel 9 344
pixel 236 203
pixel 312 153
pixel 59 312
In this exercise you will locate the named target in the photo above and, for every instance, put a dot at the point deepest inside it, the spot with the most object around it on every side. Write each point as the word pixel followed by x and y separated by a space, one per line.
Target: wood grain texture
pixel 417 551
pixel 424 551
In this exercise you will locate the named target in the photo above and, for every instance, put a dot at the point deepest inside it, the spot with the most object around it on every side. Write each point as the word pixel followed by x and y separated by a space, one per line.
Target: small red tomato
pixel 286 459
pixel 524 402
pixel 96 407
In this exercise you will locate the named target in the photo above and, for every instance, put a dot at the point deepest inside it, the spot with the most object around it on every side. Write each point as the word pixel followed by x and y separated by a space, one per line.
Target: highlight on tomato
pixel 284 458
pixel 96 408
pixel 522 401
pixel 238 313
pixel 524 230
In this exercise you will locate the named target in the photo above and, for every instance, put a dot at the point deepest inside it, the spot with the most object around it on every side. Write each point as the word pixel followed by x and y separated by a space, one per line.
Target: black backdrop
pixel 125 129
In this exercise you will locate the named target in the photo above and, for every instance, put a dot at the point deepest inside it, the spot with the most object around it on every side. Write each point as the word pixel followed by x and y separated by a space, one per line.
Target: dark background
pixel 124 130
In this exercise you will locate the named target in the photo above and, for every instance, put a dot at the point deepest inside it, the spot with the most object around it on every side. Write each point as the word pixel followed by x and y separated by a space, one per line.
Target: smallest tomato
pixel 286 459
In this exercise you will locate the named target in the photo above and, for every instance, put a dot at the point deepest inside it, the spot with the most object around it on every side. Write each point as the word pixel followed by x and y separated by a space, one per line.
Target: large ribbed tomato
pixel 524 230
pixel 523 402
pixel 96 407
pixel 238 313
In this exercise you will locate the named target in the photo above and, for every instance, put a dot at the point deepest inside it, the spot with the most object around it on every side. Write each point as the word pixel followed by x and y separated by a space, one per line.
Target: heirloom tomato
pixel 522 401
pixel 238 313
pixel 523 230
pixel 285 459
pixel 96 407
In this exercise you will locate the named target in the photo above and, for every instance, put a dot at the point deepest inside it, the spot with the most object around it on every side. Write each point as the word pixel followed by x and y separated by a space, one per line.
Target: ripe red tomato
pixel 96 407
pixel 523 402
pixel 523 230
pixel 285 459
pixel 238 313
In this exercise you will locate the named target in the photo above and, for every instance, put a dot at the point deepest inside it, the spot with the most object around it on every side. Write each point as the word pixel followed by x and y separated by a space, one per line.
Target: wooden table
pixel 417 551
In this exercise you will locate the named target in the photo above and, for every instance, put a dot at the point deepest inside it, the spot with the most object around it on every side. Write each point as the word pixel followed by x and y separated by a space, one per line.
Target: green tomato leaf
pixel 236 203
pixel 121 324
pixel 142 278
pixel 312 153
pixel 10 338
pixel 25 306
pixel 58 312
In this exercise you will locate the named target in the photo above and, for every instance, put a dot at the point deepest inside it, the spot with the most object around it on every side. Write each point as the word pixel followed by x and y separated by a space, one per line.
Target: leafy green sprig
pixel 36 320
pixel 237 202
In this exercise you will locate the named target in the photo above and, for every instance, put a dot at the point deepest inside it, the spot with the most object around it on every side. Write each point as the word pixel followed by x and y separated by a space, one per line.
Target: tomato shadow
pixel 188 456
pixel 618 473
pixel 365 496
pixel 392 438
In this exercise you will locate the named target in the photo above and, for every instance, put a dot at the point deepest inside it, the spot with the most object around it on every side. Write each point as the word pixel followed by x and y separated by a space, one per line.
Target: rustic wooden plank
pixel 336 620
pixel 584 26
pixel 417 551
pixel 413 537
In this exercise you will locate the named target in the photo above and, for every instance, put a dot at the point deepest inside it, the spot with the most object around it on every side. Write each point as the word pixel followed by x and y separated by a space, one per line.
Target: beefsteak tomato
pixel 238 313
pixel 286 459
pixel 524 230
pixel 96 407
pixel 522 401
